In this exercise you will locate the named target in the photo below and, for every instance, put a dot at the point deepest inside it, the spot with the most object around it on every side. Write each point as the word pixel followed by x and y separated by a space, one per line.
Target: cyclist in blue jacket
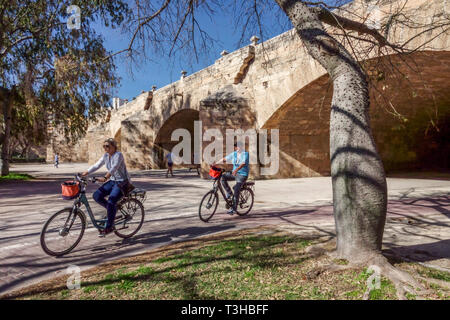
pixel 240 160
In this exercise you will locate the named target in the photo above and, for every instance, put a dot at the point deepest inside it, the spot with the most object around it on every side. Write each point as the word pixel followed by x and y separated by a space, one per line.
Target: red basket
pixel 214 172
pixel 70 189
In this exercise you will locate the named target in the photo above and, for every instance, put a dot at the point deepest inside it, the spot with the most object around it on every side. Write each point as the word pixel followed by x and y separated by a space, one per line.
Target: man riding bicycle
pixel 240 160
pixel 117 180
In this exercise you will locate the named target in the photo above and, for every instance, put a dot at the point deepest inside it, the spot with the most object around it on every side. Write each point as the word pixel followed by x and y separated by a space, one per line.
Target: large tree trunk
pixel 6 99
pixel 358 178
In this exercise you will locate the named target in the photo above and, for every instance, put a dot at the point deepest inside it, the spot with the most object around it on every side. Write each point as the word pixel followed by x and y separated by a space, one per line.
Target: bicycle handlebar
pixel 221 169
pixel 80 178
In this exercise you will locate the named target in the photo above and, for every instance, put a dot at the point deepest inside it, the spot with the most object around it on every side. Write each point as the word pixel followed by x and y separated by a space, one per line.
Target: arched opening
pixel 410 117
pixel 183 119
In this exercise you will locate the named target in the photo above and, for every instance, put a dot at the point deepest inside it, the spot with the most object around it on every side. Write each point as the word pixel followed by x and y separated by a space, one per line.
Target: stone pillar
pixel 50 156
pixel 223 110
pixel 137 143
pixel 95 138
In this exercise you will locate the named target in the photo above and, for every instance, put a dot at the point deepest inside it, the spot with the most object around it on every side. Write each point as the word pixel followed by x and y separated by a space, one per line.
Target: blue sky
pixel 162 71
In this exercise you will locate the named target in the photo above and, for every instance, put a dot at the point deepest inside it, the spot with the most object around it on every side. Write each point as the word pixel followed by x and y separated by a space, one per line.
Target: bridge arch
pixel 404 131
pixel 181 119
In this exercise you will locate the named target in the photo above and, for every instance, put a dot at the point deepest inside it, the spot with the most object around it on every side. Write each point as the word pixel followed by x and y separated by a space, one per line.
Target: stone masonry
pixel 276 85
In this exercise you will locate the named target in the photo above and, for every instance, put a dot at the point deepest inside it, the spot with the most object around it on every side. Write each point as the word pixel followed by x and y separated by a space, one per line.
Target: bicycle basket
pixel 214 172
pixel 70 189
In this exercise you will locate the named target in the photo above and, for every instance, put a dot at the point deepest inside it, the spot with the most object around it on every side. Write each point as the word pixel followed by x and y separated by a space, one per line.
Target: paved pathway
pixel 172 215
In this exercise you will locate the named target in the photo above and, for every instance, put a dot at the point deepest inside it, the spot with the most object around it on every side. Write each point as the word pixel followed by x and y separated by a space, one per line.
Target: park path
pixel 172 215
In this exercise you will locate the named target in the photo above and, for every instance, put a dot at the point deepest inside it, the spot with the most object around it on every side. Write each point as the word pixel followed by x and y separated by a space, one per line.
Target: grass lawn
pixel 16 176
pixel 249 264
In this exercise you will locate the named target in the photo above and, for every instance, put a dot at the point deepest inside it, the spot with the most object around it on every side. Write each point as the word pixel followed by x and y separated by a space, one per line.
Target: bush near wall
pixel 25 160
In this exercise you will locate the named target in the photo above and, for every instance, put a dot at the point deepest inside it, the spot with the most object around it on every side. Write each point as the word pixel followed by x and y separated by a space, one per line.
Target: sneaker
pixel 230 212
pixel 105 232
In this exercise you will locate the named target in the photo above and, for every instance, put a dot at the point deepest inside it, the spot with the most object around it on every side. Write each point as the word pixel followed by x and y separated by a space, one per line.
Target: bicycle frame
pixel 218 185
pixel 82 199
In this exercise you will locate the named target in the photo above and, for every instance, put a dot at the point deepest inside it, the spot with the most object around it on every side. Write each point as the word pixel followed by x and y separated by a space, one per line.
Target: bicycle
pixel 70 222
pixel 211 199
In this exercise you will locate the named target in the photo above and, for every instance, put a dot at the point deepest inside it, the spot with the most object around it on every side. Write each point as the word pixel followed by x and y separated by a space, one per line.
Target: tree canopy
pixel 56 70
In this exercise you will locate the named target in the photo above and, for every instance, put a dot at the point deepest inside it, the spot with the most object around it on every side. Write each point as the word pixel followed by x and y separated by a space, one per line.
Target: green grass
pixel 386 290
pixel 235 267
pixel 16 176
pixel 435 274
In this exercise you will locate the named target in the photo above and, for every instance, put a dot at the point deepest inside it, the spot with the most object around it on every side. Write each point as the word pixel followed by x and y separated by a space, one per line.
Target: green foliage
pixel 386 290
pixel 16 176
pixel 61 73
pixel 436 274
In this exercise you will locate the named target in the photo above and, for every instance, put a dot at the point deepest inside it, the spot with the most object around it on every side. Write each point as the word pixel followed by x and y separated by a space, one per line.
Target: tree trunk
pixel 358 178
pixel 6 101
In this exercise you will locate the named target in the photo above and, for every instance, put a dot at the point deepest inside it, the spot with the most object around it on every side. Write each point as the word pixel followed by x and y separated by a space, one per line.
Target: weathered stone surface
pixel 282 87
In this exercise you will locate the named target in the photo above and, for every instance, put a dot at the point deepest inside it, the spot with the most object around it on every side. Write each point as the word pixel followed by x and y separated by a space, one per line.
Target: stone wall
pixel 95 137
pixel 404 107
pixel 226 109
pixel 67 151
pixel 283 88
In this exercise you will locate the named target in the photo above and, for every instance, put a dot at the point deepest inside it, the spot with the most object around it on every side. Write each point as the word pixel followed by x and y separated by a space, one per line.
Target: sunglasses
pixel 106 146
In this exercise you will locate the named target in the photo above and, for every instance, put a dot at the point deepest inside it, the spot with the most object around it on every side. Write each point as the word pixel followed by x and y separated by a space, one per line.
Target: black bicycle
pixel 63 231
pixel 210 200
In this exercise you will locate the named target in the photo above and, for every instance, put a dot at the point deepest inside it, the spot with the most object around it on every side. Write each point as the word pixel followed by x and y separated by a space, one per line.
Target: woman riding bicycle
pixel 117 180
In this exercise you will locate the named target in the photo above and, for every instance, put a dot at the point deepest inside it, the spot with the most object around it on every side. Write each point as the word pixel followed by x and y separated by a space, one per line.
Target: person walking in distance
pixel 169 164
pixel 56 160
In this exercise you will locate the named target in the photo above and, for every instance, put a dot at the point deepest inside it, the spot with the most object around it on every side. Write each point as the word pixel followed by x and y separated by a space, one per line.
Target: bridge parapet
pixel 268 75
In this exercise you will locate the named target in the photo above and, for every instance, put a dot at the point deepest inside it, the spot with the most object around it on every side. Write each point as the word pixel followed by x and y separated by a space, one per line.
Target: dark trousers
pixel 112 189
pixel 240 180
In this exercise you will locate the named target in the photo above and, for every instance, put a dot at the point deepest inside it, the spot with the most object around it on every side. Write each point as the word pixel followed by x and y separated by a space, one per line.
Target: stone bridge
pixel 276 84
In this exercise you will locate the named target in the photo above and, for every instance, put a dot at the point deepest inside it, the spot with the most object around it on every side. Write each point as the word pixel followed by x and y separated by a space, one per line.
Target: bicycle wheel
pixel 208 206
pixel 62 232
pixel 246 199
pixel 129 218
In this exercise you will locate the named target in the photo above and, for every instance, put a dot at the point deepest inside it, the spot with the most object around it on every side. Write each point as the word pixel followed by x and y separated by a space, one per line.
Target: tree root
pixel 404 283
pixel 332 267
pixel 320 249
